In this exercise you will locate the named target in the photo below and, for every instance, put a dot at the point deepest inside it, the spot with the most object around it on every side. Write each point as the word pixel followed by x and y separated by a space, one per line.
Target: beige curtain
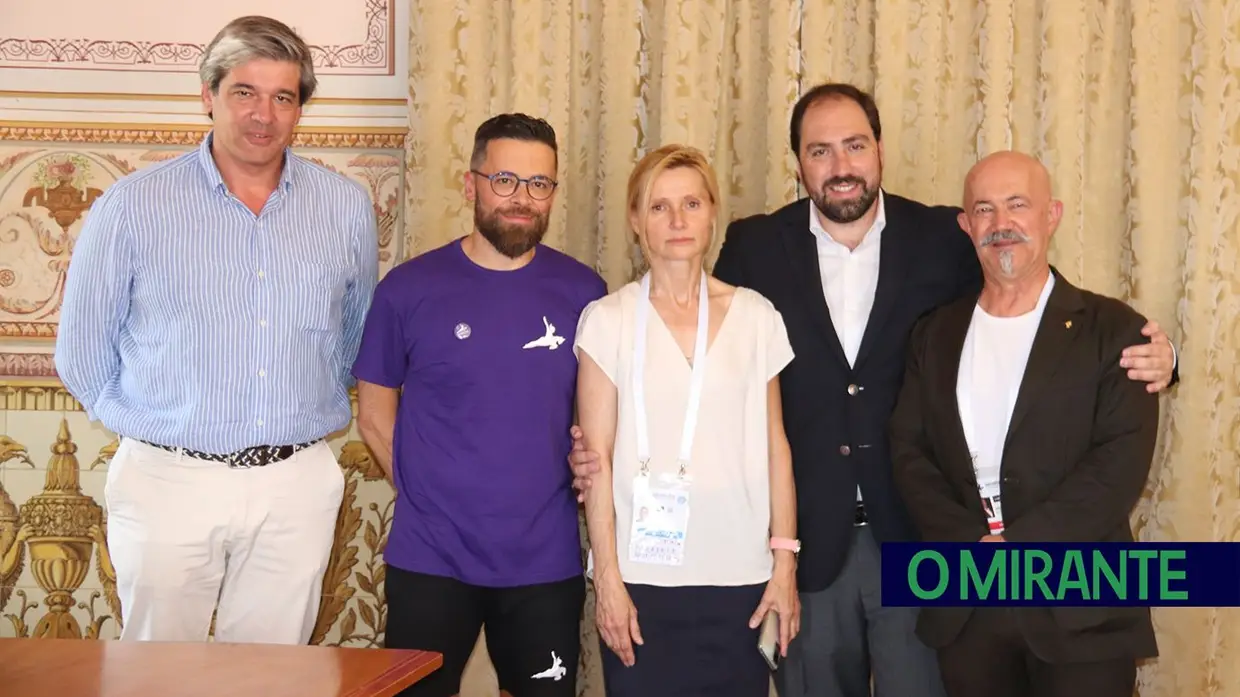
pixel 1131 103
pixel 614 77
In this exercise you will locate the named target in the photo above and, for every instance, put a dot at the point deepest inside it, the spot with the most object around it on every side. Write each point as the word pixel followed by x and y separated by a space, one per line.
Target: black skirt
pixel 697 643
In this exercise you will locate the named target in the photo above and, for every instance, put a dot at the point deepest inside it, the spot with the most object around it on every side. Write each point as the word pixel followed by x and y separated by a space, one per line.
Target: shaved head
pixel 1009 163
pixel 1010 214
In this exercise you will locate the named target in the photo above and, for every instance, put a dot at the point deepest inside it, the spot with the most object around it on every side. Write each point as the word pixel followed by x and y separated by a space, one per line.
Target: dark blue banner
pixel 1192 574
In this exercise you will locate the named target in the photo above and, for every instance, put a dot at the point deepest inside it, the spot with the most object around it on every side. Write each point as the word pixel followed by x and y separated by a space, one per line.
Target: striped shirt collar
pixel 213 171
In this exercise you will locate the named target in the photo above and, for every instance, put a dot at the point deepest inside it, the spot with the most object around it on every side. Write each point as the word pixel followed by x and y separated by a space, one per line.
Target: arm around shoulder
pixel 1101 490
pixel 96 300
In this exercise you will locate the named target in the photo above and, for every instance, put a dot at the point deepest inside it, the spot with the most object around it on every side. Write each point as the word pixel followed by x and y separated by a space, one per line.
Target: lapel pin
pixel 1067 325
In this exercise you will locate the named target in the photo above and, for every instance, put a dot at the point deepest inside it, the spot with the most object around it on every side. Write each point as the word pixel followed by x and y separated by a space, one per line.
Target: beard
pixel 849 210
pixel 511 240
pixel 1007 256
pixel 1007 262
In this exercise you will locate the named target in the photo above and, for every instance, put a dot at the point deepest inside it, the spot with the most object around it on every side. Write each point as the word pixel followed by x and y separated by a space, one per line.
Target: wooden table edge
pixel 393 680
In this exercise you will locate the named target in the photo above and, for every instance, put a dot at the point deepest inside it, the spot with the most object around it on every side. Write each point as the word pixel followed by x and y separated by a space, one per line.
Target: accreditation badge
pixel 660 519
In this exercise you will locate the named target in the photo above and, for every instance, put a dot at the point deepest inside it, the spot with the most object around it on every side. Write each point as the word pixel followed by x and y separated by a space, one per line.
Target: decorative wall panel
pixel 128 62
pixel 347 37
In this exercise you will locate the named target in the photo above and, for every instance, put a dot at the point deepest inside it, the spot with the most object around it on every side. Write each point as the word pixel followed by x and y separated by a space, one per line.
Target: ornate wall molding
pixel 374 54
pixel 27 365
pixel 172 134
pixel 36 395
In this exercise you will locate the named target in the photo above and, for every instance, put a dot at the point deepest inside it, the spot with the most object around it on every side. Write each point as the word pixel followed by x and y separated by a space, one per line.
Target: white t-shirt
pixel 728 538
pixel 992 367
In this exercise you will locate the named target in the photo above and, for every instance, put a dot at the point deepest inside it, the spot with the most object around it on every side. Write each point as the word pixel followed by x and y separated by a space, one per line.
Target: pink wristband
pixel 787 543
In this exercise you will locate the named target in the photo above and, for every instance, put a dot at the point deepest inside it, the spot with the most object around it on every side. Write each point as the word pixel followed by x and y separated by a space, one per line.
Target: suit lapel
pixel 890 275
pixel 1058 329
pixel 807 274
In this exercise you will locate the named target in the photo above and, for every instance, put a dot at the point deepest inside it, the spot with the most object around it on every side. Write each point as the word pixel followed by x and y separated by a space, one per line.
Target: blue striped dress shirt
pixel 190 321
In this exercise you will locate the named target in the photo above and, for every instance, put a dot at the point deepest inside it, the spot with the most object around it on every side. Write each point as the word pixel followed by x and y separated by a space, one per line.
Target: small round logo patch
pixel 462 331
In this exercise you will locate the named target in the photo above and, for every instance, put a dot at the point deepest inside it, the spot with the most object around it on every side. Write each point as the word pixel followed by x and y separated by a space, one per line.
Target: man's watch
pixel 787 543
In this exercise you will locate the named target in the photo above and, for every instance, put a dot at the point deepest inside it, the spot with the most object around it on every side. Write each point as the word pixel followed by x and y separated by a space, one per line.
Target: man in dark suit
pixel 851 268
pixel 1014 397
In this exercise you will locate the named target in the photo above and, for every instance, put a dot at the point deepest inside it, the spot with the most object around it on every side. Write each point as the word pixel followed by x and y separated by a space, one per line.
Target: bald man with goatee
pixel 1016 423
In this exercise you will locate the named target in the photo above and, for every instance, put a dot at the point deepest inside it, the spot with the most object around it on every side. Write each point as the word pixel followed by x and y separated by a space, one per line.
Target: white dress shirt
pixel 849 280
pixel 992 367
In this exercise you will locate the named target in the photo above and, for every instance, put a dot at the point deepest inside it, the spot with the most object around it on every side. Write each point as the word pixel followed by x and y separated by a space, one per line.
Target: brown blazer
pixel 1078 452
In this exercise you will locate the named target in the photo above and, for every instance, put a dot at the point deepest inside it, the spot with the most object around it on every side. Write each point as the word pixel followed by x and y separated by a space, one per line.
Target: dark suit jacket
pixel 835 415
pixel 1077 455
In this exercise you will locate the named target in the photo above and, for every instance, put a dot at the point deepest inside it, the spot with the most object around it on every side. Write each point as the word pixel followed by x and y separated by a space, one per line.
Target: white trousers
pixel 187 534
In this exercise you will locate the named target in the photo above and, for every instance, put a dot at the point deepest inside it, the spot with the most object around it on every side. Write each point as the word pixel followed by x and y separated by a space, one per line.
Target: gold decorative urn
pixel 60 542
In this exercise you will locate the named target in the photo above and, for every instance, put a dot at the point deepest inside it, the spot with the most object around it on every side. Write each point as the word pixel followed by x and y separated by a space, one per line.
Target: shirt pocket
pixel 318 295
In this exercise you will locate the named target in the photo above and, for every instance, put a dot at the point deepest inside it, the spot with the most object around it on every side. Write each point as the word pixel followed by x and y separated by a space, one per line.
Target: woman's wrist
pixel 607 573
pixel 784 550
pixel 785 561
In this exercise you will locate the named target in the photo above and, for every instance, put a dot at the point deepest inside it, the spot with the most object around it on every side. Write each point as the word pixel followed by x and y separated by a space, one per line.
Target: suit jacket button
pixel 852 389
pixel 845 450
pixel 1011 480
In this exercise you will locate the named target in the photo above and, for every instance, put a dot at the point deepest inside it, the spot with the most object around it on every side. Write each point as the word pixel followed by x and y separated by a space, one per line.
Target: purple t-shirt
pixel 485 358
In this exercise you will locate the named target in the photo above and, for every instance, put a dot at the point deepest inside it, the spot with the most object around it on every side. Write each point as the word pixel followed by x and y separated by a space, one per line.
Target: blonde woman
pixel 678 393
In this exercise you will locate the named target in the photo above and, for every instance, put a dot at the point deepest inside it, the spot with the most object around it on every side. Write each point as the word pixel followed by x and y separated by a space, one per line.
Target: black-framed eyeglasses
pixel 505 184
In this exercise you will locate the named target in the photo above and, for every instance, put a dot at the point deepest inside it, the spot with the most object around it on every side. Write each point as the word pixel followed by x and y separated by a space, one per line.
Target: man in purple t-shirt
pixel 466 381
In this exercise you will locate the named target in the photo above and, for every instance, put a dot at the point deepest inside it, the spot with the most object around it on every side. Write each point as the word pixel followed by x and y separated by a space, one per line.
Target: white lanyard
pixel 695 382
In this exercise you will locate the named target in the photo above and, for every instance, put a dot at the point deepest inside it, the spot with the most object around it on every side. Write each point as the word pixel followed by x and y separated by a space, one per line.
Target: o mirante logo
pixel 1196 574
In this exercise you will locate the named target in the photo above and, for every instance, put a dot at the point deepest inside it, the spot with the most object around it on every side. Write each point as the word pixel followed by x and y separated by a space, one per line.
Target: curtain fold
pixel 613 78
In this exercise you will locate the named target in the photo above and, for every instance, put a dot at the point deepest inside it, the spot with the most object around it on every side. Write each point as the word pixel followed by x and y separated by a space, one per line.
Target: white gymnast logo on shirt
pixel 550 340
pixel 462 331
pixel 557 669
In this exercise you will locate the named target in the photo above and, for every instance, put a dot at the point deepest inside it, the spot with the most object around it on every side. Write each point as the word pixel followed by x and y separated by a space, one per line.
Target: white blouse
pixel 728 538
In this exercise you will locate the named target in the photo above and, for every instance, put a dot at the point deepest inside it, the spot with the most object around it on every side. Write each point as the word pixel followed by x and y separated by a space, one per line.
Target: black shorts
pixel 533 632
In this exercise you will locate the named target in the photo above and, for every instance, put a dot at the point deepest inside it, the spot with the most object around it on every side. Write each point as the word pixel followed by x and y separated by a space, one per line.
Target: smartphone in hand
pixel 768 639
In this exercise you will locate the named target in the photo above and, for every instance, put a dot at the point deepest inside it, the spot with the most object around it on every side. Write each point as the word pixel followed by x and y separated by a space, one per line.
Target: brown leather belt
pixel 257 456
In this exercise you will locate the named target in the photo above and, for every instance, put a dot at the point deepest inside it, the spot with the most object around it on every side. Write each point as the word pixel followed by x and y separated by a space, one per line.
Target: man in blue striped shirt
pixel 213 309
